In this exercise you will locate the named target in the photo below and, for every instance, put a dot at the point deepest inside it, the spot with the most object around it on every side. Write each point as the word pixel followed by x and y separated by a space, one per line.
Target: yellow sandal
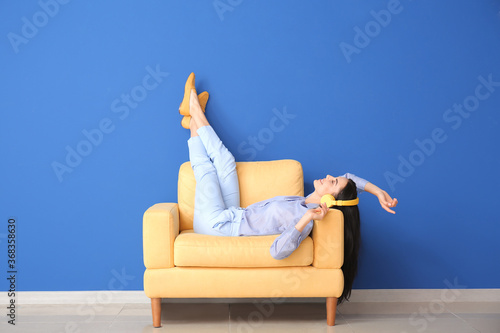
pixel 184 107
pixel 203 98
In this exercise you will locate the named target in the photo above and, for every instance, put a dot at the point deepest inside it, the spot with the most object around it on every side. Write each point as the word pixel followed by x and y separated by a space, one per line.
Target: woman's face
pixel 330 185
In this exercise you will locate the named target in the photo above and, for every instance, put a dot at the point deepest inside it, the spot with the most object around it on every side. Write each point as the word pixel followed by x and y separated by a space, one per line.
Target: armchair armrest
pixel 159 229
pixel 328 240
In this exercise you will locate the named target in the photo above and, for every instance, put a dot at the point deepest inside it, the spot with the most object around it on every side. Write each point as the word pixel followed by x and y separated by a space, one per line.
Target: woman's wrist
pixel 306 218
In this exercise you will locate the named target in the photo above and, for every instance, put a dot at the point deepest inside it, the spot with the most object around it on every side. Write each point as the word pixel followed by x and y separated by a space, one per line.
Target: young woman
pixel 217 200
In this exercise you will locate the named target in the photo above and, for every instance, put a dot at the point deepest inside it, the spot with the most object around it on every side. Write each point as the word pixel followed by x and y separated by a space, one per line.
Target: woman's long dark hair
pixel 352 238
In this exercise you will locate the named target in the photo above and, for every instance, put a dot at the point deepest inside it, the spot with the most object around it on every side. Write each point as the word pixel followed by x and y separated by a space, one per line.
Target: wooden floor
pixel 262 316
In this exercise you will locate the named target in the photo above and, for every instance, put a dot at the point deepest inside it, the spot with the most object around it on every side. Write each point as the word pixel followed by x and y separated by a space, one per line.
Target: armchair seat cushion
pixel 197 250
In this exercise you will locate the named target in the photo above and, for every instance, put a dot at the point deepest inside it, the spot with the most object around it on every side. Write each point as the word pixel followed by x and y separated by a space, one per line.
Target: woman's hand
pixel 318 213
pixel 312 214
pixel 386 201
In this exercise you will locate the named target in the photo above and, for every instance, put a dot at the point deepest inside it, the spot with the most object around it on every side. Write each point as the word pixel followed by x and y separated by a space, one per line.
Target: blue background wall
pixel 365 103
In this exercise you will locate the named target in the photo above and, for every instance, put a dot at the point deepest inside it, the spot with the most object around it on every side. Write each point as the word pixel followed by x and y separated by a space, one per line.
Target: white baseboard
pixel 77 297
pixel 425 295
pixel 359 295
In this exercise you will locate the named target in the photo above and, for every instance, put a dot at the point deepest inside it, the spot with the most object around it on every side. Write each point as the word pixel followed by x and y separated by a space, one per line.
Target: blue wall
pixel 366 87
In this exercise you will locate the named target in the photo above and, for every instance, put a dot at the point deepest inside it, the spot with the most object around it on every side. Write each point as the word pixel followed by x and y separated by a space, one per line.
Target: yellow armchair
pixel 182 264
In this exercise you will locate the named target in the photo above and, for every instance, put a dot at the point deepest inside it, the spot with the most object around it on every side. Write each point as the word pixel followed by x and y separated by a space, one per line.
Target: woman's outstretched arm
pixel 383 197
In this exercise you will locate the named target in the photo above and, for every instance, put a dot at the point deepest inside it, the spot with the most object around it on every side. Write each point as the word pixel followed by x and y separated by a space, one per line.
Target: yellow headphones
pixel 330 201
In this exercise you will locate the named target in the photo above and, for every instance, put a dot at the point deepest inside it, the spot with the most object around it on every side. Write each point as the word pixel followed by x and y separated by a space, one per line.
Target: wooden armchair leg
pixel 331 310
pixel 156 308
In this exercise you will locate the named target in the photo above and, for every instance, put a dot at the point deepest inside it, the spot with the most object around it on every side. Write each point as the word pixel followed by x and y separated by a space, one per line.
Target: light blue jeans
pixel 217 209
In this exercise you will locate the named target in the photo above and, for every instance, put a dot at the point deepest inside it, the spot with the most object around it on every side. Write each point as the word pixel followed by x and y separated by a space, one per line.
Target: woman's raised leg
pixel 218 154
pixel 209 207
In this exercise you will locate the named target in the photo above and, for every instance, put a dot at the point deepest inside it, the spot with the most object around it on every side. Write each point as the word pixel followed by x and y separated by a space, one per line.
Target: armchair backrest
pixel 258 181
